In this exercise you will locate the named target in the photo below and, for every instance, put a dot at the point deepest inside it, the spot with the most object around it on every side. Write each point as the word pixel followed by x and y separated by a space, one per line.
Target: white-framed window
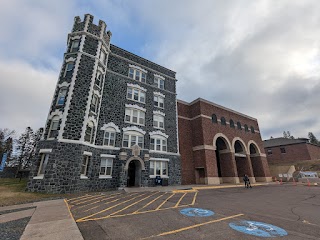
pixel 106 167
pixel 158 168
pixel 132 138
pixel 158 143
pixel 135 116
pixel 103 57
pixel 158 121
pixel 99 78
pixel 137 75
pixel 88 137
pixel 69 68
pixel 62 96
pixel 109 138
pixel 54 125
pixel 136 94
pixel 158 101
pixel 43 164
pixel 94 103
pixel 159 82
pixel 75 45
pixel 84 165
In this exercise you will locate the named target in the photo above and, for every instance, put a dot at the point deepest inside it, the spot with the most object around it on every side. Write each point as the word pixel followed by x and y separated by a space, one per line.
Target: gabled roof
pixel 274 142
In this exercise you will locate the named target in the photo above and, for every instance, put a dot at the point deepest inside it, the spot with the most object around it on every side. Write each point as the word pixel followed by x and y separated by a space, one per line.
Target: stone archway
pixel 133 168
pixel 242 159
pixel 258 167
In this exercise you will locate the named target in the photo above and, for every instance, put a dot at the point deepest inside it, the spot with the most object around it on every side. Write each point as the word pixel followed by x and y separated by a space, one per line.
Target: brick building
pixel 286 150
pixel 112 121
pixel 219 145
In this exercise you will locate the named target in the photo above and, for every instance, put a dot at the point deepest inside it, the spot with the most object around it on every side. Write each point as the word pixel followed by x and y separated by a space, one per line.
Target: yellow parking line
pixel 109 197
pixel 84 218
pixel 224 186
pixel 70 199
pixel 194 198
pixel 132 204
pixel 194 226
pixel 165 201
pixel 89 200
pixel 180 199
pixel 150 202
pixel 65 201
pixel 87 197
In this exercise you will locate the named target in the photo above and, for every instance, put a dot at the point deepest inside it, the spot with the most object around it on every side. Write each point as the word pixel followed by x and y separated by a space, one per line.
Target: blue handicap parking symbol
pixel 258 229
pixel 196 212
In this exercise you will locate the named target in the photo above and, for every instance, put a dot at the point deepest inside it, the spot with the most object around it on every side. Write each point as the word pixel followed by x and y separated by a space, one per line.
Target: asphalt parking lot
pixel 277 211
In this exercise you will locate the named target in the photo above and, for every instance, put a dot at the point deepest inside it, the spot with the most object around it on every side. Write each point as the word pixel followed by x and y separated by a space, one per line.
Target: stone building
pixel 219 145
pixel 285 150
pixel 112 121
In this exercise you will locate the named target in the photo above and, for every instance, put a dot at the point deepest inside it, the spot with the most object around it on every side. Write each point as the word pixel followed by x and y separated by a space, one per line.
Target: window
pixel 282 150
pixel 69 68
pixel 269 151
pixel 158 144
pixel 88 137
pixel 54 125
pixel 239 125
pixel 158 121
pixel 61 96
pixel 103 57
pixel 106 167
pixel 135 116
pixel 94 103
pixel 223 121
pixel 214 118
pixel 136 95
pixel 252 129
pixel 109 138
pixel 84 165
pixel 158 101
pixel 130 139
pixel 159 82
pixel 43 164
pixel 75 45
pixel 158 168
pixel 246 129
pixel 231 122
pixel 137 75
pixel 99 78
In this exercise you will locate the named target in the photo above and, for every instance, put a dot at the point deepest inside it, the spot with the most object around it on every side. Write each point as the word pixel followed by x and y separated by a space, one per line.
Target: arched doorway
pixel 241 160
pixel 134 174
pixel 257 165
pixel 221 145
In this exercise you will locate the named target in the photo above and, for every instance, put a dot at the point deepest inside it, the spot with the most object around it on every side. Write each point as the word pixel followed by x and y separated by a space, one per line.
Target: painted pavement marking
pixel 196 212
pixel 150 202
pixel 165 201
pixel 101 200
pixel 193 226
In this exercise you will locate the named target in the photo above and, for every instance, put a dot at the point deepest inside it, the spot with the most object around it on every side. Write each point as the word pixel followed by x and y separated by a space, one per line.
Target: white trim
pixel 89 144
pixel 103 28
pixel 167 153
pixel 138 68
pixel 157 112
pixel 136 107
pixel 96 92
pixel 105 177
pixel 100 69
pixel 162 176
pixel 64 84
pixel 110 125
pixel 133 128
pixel 39 176
pixel 83 38
pixel 70 59
pixel 203 147
pixel 177 127
pixel 45 150
pixel 87 18
pixel 83 177
pixel 160 159
pixel 136 86
pixel 159 76
pixel 87 153
pixel 55 113
pixel 159 133
pixel 107 156
pixel 75 37
pixel 159 94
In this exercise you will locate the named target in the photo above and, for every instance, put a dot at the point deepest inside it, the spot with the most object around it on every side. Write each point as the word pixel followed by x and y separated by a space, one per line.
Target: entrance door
pixel 134 174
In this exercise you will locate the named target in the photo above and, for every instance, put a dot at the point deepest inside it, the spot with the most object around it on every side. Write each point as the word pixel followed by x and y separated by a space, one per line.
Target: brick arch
pixel 224 137
pixel 242 142
pixel 255 144
pixel 135 158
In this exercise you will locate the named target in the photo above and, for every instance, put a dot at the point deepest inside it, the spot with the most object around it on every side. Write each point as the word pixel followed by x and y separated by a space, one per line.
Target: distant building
pixel 112 121
pixel 286 150
pixel 219 145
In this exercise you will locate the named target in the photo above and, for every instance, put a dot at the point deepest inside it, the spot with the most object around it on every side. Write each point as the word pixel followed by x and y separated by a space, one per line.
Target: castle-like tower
pixel 112 121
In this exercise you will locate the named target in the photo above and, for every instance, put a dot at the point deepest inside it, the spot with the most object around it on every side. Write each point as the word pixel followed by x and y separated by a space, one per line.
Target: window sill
pixel 158 128
pixel 135 123
pixel 156 151
pixel 162 176
pixel 84 177
pixel 105 177
pixel 39 177
pixel 135 101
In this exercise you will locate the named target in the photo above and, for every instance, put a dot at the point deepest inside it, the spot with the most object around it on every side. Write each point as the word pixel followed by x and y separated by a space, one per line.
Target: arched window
pixel 252 129
pixel 88 137
pixel 246 128
pixel 131 138
pixel 231 123
pixel 214 118
pixel 239 125
pixel 223 121
pixel 54 125
pixel 62 96
pixel 109 137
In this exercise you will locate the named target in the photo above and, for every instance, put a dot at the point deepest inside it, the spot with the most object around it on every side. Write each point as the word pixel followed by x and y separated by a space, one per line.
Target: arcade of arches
pixel 227 162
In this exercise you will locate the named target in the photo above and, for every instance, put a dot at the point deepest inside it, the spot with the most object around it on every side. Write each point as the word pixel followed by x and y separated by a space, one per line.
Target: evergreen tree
pixel 6 142
pixel 313 139
pixel 25 147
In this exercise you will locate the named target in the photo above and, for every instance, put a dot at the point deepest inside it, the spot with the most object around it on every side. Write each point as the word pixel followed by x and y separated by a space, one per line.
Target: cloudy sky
pixel 261 57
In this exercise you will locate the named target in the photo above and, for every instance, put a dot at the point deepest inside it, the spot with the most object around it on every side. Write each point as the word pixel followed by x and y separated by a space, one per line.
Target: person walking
pixel 246 180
